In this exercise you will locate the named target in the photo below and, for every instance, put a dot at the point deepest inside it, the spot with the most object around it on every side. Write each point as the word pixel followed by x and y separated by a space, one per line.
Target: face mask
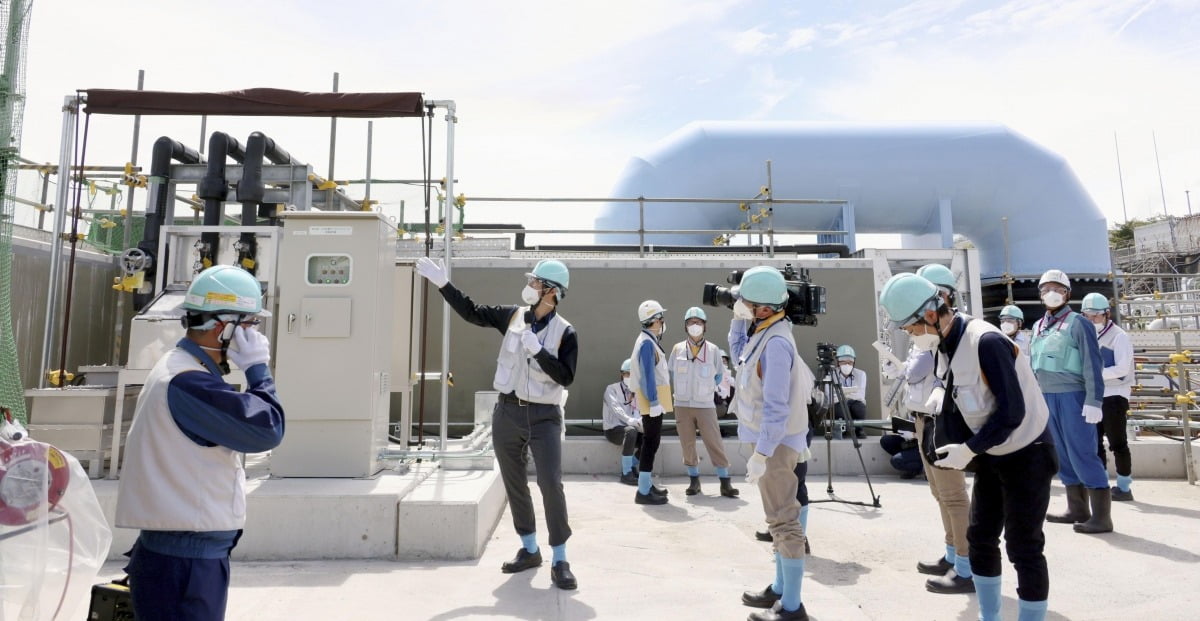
pixel 846 368
pixel 1009 327
pixel 926 342
pixel 1053 299
pixel 530 296
pixel 696 330
pixel 662 329
pixel 1099 323
pixel 628 383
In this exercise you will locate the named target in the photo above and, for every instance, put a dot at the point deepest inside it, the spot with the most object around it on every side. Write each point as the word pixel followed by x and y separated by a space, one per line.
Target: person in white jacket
pixel 623 424
pixel 1116 350
pixel 854 387
pixel 1011 321
pixel 652 391
pixel 696 373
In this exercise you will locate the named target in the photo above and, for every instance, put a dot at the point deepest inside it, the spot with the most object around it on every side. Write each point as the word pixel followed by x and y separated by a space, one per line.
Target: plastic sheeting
pixel 898 178
pixel 53 535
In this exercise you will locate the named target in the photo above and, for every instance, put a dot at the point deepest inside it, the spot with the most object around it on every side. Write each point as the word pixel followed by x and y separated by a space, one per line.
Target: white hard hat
pixel 649 309
pixel 1055 276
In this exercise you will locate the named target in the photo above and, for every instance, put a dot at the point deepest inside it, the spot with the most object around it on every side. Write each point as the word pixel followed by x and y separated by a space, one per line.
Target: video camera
pixel 805 300
pixel 827 354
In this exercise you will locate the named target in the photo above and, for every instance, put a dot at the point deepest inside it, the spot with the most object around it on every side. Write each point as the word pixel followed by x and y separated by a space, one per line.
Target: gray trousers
pixel 517 431
pixel 778 487
pixel 949 489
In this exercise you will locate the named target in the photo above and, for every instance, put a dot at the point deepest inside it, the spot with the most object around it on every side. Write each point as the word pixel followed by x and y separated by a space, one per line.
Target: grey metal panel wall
pixel 602 304
pixel 93 317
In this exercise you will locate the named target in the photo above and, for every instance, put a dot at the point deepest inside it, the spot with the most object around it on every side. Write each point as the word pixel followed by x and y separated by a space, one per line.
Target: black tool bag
pixel 945 427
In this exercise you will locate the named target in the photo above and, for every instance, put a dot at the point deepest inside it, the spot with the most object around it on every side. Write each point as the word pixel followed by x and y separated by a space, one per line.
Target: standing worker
pixel 996 423
pixel 773 392
pixel 183 483
pixel 1116 350
pixel 854 387
pixel 1011 322
pixel 696 374
pixel 622 423
pixel 536 363
pixel 924 396
pixel 1066 359
pixel 652 387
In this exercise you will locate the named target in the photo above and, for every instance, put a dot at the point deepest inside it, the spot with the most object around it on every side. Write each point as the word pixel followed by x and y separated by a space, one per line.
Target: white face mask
pixel 530 296
pixel 628 383
pixel 1008 327
pixel 926 342
pixel 846 368
pixel 1099 323
pixel 696 330
pixel 1053 299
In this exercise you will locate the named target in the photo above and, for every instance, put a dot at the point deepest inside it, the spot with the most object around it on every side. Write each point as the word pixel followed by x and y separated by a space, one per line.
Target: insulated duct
pixel 159 190
pixel 213 189
pixel 925 181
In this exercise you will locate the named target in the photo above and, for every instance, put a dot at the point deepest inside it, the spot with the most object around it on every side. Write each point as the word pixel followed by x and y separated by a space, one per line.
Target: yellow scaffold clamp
pixel 130 283
pixel 367 203
pixel 1158 295
pixel 1188 398
pixel 56 377
pixel 1183 356
pixel 131 178
pixel 321 183
pixel 106 223
pixel 460 201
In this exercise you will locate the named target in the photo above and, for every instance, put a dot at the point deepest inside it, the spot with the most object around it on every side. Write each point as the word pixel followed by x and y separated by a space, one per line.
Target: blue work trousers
pixel 1075 439
pixel 172 588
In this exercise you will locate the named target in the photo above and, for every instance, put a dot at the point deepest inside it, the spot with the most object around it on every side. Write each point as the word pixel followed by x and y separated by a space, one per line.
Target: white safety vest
pixel 749 397
pixel 975 399
pixel 518 372
pixel 168 481
pixel 695 377
pixel 1115 345
pixel 662 376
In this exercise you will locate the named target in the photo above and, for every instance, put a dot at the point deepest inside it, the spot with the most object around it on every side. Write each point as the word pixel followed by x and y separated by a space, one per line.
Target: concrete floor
pixel 692 558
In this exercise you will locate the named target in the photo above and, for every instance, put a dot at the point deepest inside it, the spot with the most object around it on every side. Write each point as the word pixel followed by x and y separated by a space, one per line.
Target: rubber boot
pixel 1077 507
pixel 727 488
pixel 1031 611
pixel 693 488
pixel 1101 521
pixel 987 591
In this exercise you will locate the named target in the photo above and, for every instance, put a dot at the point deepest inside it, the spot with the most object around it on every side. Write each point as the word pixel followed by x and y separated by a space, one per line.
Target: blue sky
pixel 554 97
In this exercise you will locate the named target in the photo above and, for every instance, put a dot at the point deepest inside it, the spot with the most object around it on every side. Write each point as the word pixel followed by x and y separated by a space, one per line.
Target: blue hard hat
pixel 939 275
pixel 1094 302
pixel 905 297
pixel 695 312
pixel 553 273
pixel 224 288
pixel 1012 312
pixel 763 285
pixel 845 351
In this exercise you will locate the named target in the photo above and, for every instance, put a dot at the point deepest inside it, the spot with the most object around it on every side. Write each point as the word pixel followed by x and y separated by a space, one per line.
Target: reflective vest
pixel 975 399
pixel 662 376
pixel 695 377
pixel 168 481
pixel 749 395
pixel 1054 351
pixel 519 373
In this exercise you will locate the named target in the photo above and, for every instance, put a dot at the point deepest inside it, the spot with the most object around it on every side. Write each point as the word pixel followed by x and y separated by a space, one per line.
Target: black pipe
pixel 165 150
pixel 250 193
pixel 213 188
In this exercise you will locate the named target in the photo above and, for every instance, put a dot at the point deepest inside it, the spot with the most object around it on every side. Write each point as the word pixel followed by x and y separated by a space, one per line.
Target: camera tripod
pixel 830 388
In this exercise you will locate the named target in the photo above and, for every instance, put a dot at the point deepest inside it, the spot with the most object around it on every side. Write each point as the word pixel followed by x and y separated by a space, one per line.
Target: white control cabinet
pixel 333 356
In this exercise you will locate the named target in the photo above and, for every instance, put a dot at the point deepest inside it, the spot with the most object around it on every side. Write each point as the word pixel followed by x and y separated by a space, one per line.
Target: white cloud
pixel 750 42
pixel 800 38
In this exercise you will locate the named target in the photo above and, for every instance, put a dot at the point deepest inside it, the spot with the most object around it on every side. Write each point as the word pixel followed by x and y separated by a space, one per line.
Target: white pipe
pixel 447 237
pixel 62 196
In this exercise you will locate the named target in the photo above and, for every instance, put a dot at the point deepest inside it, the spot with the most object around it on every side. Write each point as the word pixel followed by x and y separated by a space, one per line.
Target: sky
pixel 554 98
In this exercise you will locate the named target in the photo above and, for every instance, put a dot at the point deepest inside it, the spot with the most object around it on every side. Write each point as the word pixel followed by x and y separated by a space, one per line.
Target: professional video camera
pixel 805 300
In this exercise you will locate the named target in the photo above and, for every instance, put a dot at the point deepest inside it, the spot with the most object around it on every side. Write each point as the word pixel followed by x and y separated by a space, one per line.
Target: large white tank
pixel 912 179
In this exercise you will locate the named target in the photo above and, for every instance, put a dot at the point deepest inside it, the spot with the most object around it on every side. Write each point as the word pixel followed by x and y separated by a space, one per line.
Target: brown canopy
pixel 254 102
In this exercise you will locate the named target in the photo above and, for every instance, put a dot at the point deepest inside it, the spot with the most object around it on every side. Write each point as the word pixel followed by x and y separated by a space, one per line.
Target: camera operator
pixel 774 386
pixel 995 422
pixel 854 387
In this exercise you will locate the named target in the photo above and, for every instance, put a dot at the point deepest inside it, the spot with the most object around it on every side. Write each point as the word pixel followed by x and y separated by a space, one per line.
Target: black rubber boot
pixel 1101 521
pixel 727 488
pixel 693 488
pixel 1077 507
pixel 1120 495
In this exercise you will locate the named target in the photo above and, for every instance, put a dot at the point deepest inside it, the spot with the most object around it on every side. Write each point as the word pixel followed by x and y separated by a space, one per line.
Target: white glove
pixel 957 456
pixel 657 410
pixel 1092 414
pixel 637 424
pixel 933 404
pixel 248 347
pixel 530 342
pixel 756 467
pixel 432 271
pixel 890 370
pixel 741 312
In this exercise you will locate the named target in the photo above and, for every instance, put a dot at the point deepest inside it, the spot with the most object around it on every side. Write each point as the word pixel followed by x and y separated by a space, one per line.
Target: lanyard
pixel 1054 320
pixel 698 352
